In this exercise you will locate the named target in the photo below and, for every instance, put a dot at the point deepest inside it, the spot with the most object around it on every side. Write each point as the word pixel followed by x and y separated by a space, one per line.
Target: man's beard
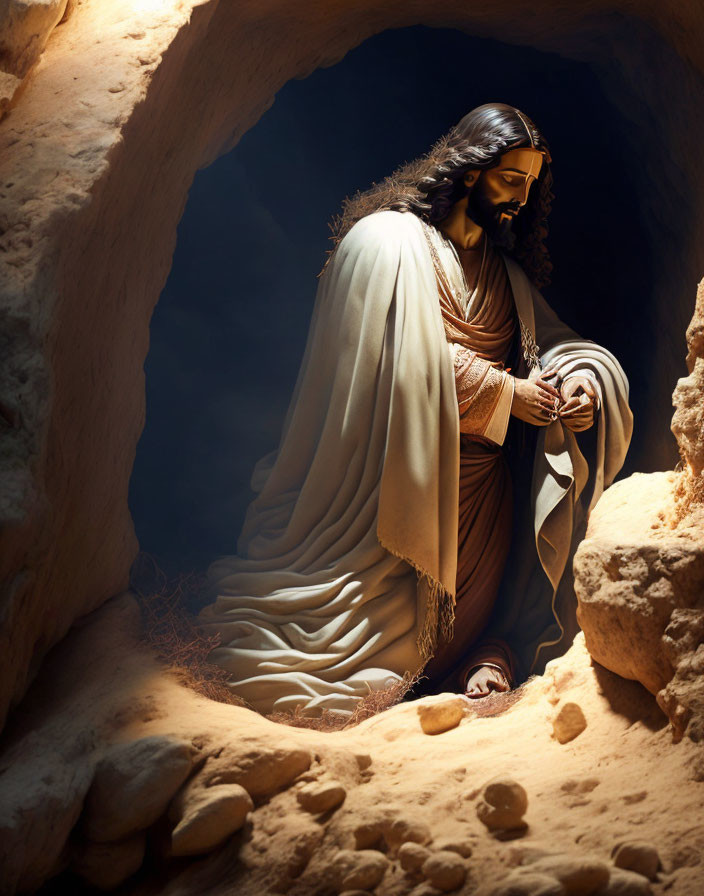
pixel 489 217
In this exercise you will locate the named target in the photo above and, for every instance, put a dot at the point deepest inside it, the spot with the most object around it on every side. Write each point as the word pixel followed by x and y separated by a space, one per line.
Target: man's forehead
pixel 527 161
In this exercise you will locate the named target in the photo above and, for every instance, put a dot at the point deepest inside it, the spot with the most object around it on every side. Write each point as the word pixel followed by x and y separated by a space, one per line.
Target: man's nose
pixel 522 196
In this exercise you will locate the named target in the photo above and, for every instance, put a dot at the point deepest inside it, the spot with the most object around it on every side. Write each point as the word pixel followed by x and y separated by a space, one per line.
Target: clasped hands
pixel 538 402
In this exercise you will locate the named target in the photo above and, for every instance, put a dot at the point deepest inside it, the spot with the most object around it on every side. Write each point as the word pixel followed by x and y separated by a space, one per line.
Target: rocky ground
pixel 114 775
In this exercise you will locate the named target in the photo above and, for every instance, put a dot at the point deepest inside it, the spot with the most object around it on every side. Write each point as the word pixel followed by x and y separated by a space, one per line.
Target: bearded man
pixel 433 428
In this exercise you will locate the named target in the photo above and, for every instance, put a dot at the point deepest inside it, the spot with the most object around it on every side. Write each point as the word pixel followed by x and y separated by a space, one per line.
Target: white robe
pixel 347 559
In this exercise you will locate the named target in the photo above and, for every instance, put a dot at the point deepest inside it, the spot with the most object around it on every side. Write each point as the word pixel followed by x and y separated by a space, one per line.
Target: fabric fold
pixel 346 566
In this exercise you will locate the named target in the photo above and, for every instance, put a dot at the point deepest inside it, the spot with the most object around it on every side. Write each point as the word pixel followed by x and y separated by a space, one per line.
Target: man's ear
pixel 470 178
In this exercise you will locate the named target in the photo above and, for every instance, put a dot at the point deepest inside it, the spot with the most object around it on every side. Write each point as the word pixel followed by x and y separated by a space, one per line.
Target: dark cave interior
pixel 230 327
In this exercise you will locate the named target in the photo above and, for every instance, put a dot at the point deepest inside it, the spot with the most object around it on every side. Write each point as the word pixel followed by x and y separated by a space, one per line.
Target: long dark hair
pixel 430 185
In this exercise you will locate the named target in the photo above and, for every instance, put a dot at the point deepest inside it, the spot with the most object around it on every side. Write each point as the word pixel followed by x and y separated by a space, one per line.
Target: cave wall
pixel 25 28
pixel 97 153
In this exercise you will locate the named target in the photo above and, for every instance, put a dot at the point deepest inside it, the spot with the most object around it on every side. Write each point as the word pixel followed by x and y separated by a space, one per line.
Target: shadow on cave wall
pixel 228 333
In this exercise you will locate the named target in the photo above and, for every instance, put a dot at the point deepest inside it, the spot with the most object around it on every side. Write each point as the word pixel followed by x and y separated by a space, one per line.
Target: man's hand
pixel 579 399
pixel 484 680
pixel 535 400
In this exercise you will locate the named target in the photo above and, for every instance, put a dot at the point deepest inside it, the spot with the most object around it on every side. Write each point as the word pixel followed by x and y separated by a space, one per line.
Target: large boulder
pixel 133 784
pixel 639 573
pixel 640 587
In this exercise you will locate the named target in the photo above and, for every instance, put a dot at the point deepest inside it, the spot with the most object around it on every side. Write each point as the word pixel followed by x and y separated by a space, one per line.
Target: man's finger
pixel 578 422
pixel 570 405
pixel 547 387
pixel 577 401
pixel 577 411
pixel 547 391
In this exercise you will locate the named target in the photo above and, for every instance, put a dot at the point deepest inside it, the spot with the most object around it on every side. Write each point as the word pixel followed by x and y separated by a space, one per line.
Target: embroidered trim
pixel 478 402
pixel 531 350
pixel 460 297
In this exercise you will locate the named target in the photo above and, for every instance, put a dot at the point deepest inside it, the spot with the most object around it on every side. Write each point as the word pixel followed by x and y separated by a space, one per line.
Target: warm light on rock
pixel 569 722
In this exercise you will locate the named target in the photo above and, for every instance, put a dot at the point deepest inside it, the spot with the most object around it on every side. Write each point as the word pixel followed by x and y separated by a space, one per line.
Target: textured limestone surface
pixel 25 28
pixel 639 573
pixel 640 585
pixel 598 812
pixel 688 419
pixel 97 154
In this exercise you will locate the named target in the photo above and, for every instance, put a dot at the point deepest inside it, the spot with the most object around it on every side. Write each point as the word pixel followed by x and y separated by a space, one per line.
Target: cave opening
pixel 228 333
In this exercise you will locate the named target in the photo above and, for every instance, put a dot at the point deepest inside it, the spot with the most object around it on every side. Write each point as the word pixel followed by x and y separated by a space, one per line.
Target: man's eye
pixel 509 179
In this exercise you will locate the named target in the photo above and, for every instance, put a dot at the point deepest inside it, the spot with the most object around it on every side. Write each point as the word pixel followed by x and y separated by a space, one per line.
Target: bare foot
pixel 485 680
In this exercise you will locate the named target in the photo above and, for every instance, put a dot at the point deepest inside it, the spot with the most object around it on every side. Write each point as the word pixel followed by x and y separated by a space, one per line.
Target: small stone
pixel 260 770
pixel 503 804
pixel 637 856
pixel 107 865
pixel 208 816
pixel 368 835
pixel 528 883
pixel 445 870
pixel 133 784
pixel 389 833
pixel 443 714
pixel 401 830
pixel 463 848
pixel 579 875
pixel 625 883
pixel 568 723
pixel 360 870
pixel 412 856
pixel 317 798
pixel 364 760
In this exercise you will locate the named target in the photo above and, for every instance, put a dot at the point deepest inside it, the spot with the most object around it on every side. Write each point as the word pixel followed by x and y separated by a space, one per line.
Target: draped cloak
pixel 346 571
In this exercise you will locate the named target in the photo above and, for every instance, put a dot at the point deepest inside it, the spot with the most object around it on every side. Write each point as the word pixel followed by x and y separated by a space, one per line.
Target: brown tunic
pixel 486 343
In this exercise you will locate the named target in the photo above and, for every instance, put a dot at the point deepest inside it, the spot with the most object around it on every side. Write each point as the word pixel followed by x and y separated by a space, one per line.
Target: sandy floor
pixel 620 779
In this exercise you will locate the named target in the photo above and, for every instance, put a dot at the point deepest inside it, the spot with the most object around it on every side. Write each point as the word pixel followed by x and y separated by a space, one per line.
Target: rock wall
pixel 97 153
pixel 639 573
pixel 25 28
pixel 688 419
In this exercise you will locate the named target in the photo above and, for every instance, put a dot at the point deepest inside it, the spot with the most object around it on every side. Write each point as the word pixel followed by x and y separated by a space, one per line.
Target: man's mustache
pixel 511 207
pixel 494 211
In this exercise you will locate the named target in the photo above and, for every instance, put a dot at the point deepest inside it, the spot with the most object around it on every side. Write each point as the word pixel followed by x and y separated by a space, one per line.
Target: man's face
pixel 500 193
